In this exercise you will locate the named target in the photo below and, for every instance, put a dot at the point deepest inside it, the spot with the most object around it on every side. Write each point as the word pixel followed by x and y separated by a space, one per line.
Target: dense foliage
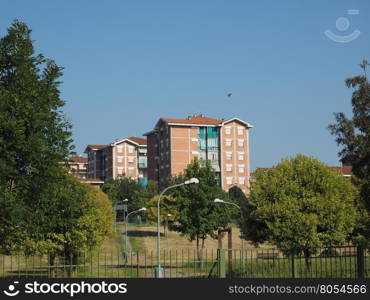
pixel 299 206
pixel 354 136
pixel 199 217
pixel 42 208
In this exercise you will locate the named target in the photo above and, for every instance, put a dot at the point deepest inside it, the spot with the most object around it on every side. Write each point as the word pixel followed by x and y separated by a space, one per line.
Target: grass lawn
pixel 179 259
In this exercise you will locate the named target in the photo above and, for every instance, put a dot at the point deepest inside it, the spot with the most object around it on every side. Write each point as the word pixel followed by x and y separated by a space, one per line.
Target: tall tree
pixel 199 217
pixel 354 137
pixel 168 210
pixel 299 206
pixel 34 134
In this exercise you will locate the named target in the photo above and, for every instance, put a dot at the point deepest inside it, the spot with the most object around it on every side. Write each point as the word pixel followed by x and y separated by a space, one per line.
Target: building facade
pixel 124 158
pixel 174 143
pixel 77 165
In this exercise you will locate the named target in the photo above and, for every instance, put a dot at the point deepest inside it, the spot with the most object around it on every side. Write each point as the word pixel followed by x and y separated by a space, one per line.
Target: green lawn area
pixel 179 259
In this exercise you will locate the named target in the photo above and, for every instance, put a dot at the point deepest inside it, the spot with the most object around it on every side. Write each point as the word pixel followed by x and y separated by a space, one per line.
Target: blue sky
pixel 128 63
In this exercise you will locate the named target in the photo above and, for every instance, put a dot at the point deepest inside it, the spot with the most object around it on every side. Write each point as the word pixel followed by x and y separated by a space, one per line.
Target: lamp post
pixel 125 211
pixel 118 207
pixel 190 181
pixel 126 223
pixel 241 215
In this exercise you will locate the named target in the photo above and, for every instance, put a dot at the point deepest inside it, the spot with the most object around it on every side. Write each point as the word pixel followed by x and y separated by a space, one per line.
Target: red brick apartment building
pixel 174 143
pixel 124 158
pixel 77 165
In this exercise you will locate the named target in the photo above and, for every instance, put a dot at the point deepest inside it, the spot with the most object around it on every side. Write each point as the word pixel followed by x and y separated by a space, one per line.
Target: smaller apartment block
pixel 77 165
pixel 124 158
pixel 174 143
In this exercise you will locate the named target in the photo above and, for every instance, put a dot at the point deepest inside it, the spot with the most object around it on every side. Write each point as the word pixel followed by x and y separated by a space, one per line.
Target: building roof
pixel 133 139
pixel 238 120
pixel 196 119
pixel 137 140
pixel 77 159
pixel 344 170
pixel 96 147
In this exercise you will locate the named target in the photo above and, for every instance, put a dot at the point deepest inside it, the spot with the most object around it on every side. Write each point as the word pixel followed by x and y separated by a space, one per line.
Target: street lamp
pixel 125 209
pixel 190 181
pixel 126 225
pixel 241 215
pixel 118 207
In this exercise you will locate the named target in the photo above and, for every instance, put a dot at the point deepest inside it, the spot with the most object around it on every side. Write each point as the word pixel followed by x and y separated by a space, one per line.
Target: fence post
pixel 221 271
pixel 360 262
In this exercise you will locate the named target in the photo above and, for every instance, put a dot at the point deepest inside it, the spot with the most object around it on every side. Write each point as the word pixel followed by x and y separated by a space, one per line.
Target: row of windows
pixel 129 170
pixel 162 167
pixel 229 168
pixel 240 130
pixel 163 142
pixel 230 181
pixel 130 159
pixel 163 155
pixel 229 155
pixel 130 149
pixel 229 142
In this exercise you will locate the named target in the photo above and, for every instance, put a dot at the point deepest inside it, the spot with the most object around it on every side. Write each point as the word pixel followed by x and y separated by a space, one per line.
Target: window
pixel 241 155
pixel 229 142
pixel 212 132
pixel 227 130
pixel 241 180
pixel 130 169
pixel 202 155
pixel 240 142
pixel 202 132
pixel 119 149
pixel 130 159
pixel 229 155
pixel 120 159
pixel 241 168
pixel 212 156
pixel 130 149
pixel 229 180
pixel 229 168
pixel 120 170
pixel 202 144
pixel 240 130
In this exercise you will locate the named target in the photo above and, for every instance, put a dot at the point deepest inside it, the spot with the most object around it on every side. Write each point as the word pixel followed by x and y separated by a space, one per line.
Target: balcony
pixel 143 165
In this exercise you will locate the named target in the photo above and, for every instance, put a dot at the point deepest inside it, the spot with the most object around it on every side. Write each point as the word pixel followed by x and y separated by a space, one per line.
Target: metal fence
pixel 333 262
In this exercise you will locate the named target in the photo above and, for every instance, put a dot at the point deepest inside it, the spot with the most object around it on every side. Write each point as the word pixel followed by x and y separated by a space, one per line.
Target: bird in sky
pixel 229 94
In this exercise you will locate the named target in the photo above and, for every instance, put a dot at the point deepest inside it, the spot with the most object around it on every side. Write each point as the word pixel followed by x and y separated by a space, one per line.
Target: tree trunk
pixel 307 256
pixel 200 252
pixel 51 265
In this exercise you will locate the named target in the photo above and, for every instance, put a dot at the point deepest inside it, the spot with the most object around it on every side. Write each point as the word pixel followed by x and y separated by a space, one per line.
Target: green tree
pixel 168 211
pixel 127 188
pixel 73 217
pixel 199 217
pixel 300 206
pixel 237 196
pixel 354 136
pixel 34 134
